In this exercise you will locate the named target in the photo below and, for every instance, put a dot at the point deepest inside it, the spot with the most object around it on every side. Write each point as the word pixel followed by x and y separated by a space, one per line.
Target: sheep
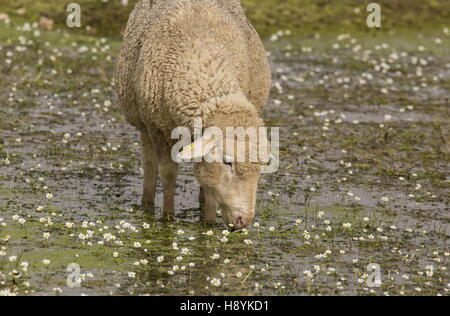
pixel 183 60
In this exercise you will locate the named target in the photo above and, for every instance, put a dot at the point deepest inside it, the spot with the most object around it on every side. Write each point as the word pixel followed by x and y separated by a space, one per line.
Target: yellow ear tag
pixel 189 147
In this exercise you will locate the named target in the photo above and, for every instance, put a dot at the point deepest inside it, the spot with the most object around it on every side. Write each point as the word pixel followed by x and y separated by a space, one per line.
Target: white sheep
pixel 183 60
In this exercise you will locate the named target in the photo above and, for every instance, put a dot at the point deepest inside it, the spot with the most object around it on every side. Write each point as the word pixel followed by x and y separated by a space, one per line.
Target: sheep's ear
pixel 198 149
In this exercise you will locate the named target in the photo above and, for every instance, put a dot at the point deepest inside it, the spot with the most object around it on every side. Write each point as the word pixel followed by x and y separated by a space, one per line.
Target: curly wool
pixel 184 59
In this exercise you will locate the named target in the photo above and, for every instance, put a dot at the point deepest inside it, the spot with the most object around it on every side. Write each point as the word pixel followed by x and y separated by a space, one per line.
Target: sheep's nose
pixel 242 221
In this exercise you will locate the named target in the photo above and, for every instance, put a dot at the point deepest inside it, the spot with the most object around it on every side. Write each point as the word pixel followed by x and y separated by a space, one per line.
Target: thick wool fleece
pixel 184 59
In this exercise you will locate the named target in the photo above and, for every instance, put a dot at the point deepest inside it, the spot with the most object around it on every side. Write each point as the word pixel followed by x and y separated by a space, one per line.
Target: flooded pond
pixel 363 184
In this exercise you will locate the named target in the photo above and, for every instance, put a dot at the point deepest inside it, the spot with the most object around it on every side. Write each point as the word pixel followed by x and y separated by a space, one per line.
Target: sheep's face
pixel 234 187
pixel 231 180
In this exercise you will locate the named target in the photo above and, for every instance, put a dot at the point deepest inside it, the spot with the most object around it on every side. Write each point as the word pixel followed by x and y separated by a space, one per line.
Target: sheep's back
pixel 183 54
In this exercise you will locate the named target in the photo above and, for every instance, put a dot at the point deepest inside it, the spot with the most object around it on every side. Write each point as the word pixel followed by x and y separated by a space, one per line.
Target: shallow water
pixel 364 178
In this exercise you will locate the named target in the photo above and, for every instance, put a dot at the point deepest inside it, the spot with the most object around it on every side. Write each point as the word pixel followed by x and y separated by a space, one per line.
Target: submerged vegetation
pixel 364 176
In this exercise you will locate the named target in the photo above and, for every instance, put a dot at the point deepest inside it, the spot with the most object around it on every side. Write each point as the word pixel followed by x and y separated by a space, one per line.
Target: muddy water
pixel 363 179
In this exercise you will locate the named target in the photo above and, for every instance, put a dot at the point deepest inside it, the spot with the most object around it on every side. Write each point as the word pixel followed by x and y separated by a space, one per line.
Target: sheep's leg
pixel 168 171
pixel 201 198
pixel 210 210
pixel 150 166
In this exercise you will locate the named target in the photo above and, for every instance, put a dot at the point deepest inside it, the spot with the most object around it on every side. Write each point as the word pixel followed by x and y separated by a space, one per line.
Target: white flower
pixel 216 282
pixel 57 290
pixel 308 274
pixel 160 259
pixel 185 251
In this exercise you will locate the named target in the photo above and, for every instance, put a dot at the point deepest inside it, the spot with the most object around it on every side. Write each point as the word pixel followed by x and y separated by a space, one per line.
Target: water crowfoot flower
pixel 216 282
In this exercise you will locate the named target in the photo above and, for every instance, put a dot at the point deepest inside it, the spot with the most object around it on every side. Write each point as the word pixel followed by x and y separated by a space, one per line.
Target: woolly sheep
pixel 183 60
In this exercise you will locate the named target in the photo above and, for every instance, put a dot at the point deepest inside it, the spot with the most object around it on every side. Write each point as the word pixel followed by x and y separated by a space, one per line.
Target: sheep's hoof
pixel 210 221
pixel 169 216
pixel 148 205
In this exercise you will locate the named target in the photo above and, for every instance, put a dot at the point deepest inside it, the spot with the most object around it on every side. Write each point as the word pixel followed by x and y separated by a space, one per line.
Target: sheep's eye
pixel 228 163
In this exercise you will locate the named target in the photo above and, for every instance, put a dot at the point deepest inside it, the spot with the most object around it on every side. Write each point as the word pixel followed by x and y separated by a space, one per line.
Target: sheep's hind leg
pixel 150 166
pixel 201 198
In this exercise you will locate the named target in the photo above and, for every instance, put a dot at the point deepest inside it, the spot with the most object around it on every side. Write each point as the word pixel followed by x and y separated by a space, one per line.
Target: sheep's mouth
pixel 236 219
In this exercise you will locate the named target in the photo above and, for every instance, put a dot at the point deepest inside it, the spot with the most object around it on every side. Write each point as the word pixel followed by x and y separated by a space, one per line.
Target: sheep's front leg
pixel 210 209
pixel 150 166
pixel 168 171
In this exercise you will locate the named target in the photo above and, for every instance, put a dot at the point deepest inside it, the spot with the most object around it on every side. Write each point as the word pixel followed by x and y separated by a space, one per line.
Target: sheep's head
pixel 230 167
pixel 234 187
